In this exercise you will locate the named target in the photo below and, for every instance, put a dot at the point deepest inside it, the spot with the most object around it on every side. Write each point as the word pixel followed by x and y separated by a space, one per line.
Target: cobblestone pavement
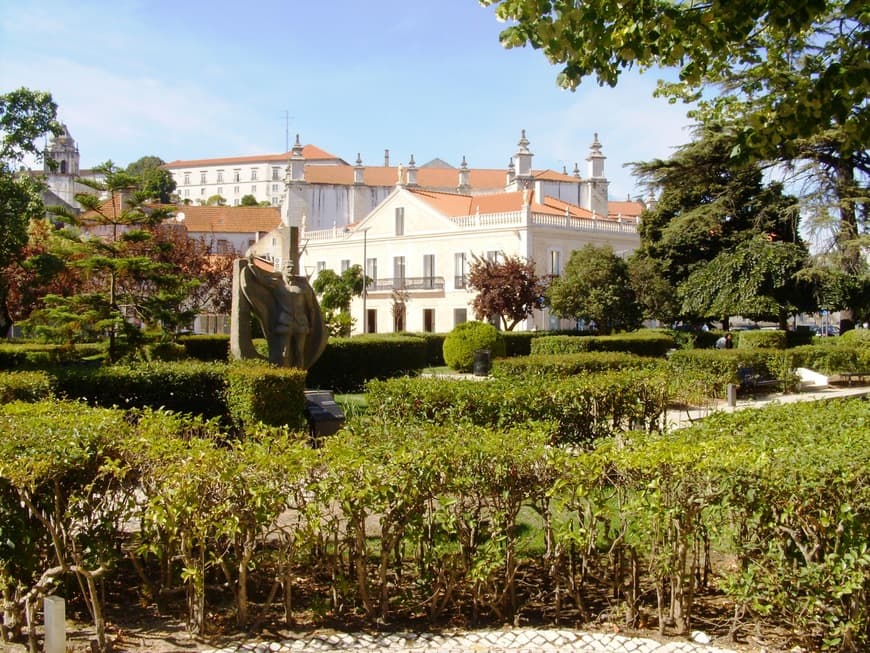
pixel 516 640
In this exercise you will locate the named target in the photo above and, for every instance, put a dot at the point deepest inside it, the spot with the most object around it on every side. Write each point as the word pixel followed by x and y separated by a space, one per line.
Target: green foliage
pixel 720 365
pixel 29 355
pixel 25 386
pixel 215 348
pixel 595 287
pixel 265 394
pixel 833 359
pixel 248 200
pixel 858 337
pixel 519 343
pixel 155 182
pixel 336 293
pixel 761 339
pixel 434 347
pixel 347 363
pixel 584 407
pixel 193 387
pixel 644 343
pixel 466 338
pixel 555 366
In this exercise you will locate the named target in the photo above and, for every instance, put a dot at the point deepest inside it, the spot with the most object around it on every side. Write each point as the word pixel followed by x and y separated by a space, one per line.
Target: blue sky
pixel 192 79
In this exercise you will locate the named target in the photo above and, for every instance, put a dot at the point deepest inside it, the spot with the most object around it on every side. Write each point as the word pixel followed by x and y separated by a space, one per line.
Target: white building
pixel 419 240
pixel 62 173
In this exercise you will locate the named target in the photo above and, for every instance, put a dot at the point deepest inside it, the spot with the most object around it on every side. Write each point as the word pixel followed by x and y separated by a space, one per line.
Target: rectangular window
pixel 223 246
pixel 400 220
pixel 492 256
pixel 345 264
pixel 187 192
pixel 460 316
pixel 220 190
pixel 253 174
pixel 275 188
pixel 555 262
pixel 371 321
pixel 254 189
pixel 428 271
pixel 460 270
pixel 276 173
pixel 187 179
pixel 276 201
pixel 220 176
pixel 398 272
pixel 235 202
pixel 237 175
pixel 372 270
pixel 321 265
pixel 429 320
pixel 236 190
pixel 202 177
pixel 202 191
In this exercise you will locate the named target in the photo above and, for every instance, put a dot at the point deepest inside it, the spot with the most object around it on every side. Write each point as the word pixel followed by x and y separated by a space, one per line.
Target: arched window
pixel 63 167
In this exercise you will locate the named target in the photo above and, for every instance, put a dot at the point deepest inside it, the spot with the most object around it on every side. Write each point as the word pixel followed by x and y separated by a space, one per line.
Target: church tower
pixel 61 166
pixel 596 183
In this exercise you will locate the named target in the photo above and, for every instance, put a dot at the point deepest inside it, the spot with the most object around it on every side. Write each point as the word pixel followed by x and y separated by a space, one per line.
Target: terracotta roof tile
pixel 229 219
pixel 309 152
pixel 627 209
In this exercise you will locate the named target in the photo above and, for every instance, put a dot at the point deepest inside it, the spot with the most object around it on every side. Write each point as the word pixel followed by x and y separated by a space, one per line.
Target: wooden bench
pixel 852 375
pixel 751 381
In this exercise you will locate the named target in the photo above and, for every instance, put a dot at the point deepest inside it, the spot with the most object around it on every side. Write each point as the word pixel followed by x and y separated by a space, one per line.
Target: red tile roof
pixel 627 209
pixel 309 152
pixel 229 219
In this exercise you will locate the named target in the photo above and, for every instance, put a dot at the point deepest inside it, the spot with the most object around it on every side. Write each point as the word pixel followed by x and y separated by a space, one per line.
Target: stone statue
pixel 287 310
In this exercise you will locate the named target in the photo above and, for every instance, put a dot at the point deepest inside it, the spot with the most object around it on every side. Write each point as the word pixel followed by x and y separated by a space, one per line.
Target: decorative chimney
pixel 511 173
pixel 412 172
pixel 386 158
pixel 595 165
pixel 358 171
pixel 464 178
pixel 523 157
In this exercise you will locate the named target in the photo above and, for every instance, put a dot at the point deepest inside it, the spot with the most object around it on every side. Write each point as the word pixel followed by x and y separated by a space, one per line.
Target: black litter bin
pixel 481 362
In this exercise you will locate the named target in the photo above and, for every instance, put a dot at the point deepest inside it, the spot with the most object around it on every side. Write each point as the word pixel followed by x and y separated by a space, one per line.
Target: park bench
pixel 751 381
pixel 848 376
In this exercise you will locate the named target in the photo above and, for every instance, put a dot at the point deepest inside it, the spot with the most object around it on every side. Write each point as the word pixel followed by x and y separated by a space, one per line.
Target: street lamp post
pixel 365 281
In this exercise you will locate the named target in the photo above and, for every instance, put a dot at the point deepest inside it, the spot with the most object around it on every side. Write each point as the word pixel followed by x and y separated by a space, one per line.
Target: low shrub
pixel 833 359
pixel 28 355
pixel 434 347
pixel 347 363
pixel 25 386
pixel 761 339
pixel 518 343
pixel 210 348
pixel 466 338
pixel 261 393
pixel 555 366
pixel 857 337
pixel 643 343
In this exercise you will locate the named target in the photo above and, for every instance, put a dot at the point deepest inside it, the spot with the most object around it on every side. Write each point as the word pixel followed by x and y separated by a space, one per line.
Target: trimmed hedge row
pixel 641 343
pixel 559 365
pixel 27 355
pixel 25 386
pixel 347 363
pixel 584 408
pixel 761 339
pixel 782 490
pixel 209 348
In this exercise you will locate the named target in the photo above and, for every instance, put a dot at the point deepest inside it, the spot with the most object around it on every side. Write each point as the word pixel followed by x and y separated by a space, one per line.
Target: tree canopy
pixel 25 115
pixel 156 182
pixel 508 289
pixel 594 286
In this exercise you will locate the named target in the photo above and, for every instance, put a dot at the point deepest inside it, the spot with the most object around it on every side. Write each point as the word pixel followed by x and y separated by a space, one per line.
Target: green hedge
pixel 191 387
pixel 858 337
pixel 720 365
pixel 209 348
pixel 25 386
pixel 519 343
pixel 33 355
pixel 585 408
pixel 642 343
pixel 434 347
pixel 260 393
pixel 467 338
pixel 833 359
pixel 347 363
pixel 761 339
pixel 555 366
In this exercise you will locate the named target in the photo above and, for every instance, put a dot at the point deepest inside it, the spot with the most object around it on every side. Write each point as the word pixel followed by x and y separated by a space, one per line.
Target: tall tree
pixel 156 183
pixel 709 205
pixel 508 289
pixel 336 294
pixel 25 115
pixel 790 79
pixel 122 280
pixel 594 286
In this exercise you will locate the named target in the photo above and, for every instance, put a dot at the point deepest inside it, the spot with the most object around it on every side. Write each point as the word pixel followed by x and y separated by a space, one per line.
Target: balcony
pixel 406 283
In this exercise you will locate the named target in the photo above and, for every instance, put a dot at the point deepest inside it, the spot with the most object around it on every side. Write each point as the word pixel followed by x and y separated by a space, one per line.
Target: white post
pixel 54 612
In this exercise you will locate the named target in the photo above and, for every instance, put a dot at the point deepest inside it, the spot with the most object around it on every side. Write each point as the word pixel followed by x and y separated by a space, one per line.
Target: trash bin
pixel 481 362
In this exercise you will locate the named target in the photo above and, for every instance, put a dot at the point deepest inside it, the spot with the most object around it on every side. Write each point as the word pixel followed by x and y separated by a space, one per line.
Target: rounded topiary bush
pixel 466 338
